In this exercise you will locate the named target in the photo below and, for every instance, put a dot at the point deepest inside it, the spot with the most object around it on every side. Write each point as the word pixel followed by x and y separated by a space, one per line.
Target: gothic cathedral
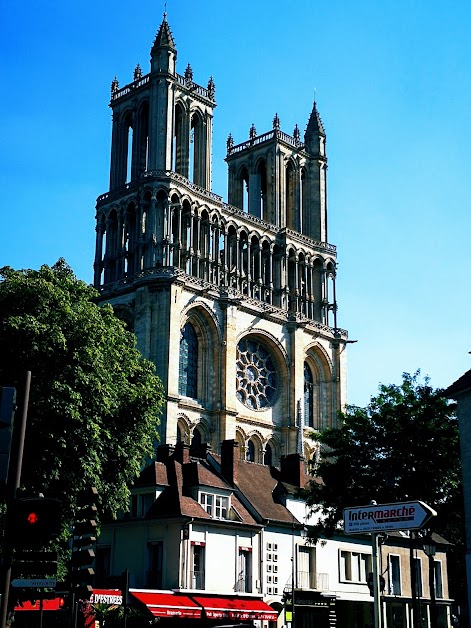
pixel 233 302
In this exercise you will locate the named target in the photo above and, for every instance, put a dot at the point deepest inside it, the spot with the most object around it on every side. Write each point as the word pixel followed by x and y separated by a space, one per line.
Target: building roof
pixel 258 492
pixel 257 483
pixel 199 473
pixel 178 497
pixel 153 475
pixel 460 386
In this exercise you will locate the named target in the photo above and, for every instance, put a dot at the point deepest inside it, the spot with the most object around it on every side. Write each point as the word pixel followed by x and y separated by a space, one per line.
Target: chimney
pixel 200 451
pixel 182 452
pixel 293 469
pixel 230 461
pixel 164 452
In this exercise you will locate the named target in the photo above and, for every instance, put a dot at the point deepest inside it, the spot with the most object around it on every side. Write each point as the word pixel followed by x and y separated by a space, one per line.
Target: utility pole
pixel 376 575
pixel 13 483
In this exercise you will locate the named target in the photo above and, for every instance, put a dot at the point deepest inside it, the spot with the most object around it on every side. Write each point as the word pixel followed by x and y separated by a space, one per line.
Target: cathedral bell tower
pixel 162 124
pixel 277 177
pixel 233 302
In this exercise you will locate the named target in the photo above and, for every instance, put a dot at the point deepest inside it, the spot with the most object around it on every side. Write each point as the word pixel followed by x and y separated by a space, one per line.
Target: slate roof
pixel 461 384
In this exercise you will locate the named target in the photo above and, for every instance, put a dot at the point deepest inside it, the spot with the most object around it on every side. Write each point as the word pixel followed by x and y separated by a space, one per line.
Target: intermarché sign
pixel 384 517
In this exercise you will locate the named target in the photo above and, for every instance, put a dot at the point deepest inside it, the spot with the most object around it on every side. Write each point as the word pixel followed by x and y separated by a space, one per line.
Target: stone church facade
pixel 233 302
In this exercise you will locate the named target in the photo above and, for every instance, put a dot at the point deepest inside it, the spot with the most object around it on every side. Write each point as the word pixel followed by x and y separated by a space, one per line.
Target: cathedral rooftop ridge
pixel 259 139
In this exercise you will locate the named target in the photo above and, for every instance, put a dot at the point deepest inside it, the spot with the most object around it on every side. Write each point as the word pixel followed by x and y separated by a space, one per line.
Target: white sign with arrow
pixel 385 517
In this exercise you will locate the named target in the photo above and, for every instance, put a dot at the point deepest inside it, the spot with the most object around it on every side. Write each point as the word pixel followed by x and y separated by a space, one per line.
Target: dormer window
pixel 216 506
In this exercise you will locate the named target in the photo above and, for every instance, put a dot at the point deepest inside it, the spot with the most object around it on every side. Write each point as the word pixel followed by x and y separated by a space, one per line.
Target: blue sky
pixel 393 87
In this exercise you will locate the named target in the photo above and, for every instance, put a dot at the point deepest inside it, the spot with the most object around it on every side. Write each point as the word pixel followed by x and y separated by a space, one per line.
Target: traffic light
pixel 35 521
pixel 83 545
pixel 34 563
pixel 7 414
pixel 288 600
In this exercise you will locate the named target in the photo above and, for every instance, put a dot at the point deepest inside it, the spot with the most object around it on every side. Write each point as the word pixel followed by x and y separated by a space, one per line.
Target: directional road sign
pixel 36 583
pixel 386 517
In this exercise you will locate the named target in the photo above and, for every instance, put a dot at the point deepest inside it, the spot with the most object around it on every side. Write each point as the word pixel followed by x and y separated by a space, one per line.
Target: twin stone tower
pixel 233 302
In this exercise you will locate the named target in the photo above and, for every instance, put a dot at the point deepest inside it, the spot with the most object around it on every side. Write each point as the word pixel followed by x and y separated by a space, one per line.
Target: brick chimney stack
pixel 230 461
pixel 164 452
pixel 182 453
pixel 293 469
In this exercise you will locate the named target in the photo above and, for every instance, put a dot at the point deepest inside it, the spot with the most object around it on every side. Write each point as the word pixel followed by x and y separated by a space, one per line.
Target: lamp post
pixel 430 550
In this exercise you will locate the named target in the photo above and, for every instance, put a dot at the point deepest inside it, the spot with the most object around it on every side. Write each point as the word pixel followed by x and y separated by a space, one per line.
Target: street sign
pixel 34 583
pixel 386 517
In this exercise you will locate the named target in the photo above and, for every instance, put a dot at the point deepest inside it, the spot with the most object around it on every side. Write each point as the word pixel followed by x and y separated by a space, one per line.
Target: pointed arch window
pixel 197 439
pixel 188 371
pixel 244 189
pixel 308 396
pixel 241 442
pixel 268 456
pixel 250 451
pixel 290 196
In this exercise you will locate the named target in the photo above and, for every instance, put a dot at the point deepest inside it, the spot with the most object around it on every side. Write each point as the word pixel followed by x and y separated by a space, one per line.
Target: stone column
pixel 228 370
pixel 98 264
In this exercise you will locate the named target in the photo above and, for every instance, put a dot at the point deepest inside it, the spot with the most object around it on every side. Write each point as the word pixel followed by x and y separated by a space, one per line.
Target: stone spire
pixel 163 53
pixel 314 126
pixel 314 137
pixel 164 38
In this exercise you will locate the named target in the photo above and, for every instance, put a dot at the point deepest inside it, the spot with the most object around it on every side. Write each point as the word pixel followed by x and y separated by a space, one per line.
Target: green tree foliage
pixel 403 446
pixel 94 401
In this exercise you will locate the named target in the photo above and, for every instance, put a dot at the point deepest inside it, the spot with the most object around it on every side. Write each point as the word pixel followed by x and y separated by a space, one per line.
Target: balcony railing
pixel 197 579
pixel 308 580
pixel 243 584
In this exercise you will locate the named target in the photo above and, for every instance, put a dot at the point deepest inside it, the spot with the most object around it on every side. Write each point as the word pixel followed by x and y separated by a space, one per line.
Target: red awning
pixel 48 605
pixel 167 604
pixel 236 608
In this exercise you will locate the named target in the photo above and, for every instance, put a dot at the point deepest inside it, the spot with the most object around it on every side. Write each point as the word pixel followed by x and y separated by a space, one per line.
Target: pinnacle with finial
pixel 164 36
pixel 314 125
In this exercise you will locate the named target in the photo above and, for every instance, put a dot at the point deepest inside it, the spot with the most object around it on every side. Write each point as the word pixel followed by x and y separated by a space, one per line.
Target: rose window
pixel 256 375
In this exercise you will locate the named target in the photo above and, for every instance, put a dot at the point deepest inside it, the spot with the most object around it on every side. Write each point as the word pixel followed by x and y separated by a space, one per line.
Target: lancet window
pixel 308 397
pixel 290 196
pixel 250 456
pixel 188 371
pixel 179 148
